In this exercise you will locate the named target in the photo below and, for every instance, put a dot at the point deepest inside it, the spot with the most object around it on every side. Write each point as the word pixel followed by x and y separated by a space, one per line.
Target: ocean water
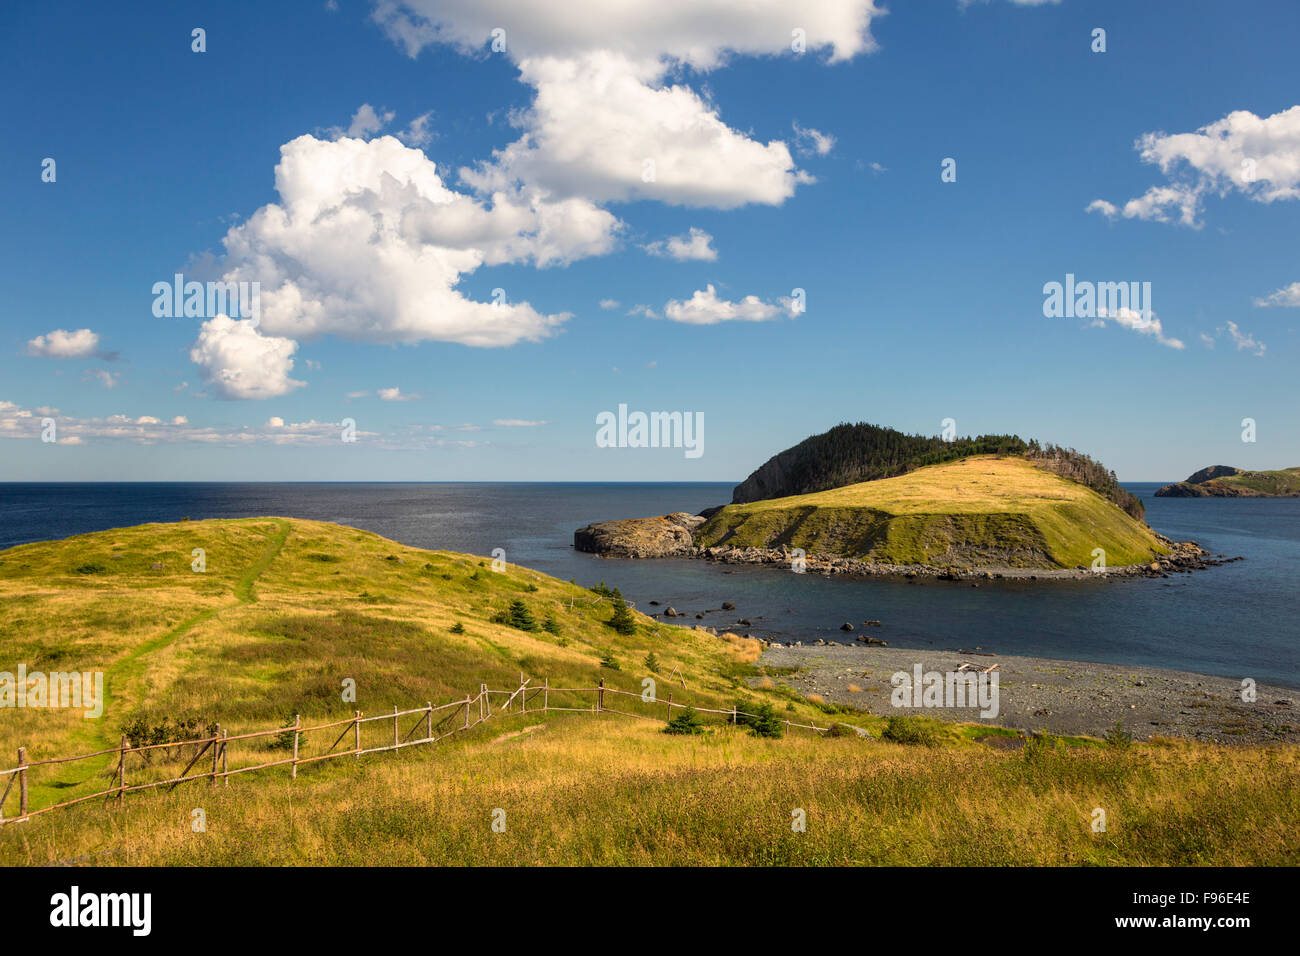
pixel 1239 620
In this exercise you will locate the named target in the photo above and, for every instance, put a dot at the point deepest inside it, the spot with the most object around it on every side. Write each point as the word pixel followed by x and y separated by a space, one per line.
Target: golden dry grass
pixel 983 505
pixel 606 790
pixel 289 609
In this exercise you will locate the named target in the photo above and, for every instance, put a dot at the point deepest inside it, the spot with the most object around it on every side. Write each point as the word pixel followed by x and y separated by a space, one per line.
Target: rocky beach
pixel 1052 696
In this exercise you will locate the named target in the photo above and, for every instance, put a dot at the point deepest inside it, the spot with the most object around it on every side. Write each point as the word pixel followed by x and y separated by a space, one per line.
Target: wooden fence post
pixel 467 711
pixel 216 746
pixel 396 741
pixel 733 713
pixel 224 775
pixel 600 695
pixel 428 722
pixel 121 771
pixel 356 734
pixel 297 723
pixel 670 708
pixel 546 694
pixel 22 782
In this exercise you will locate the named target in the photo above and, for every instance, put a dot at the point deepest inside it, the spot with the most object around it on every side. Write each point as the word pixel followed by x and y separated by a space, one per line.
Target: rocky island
pixel 1225 481
pixel 866 500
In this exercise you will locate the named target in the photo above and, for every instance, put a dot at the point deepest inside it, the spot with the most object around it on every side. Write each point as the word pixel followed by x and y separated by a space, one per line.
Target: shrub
pixel 140 732
pixel 687 722
pixel 284 739
pixel 1117 736
pixel 90 567
pixel 458 628
pixel 607 660
pixel 1041 746
pixel 651 663
pixel 841 730
pixel 912 730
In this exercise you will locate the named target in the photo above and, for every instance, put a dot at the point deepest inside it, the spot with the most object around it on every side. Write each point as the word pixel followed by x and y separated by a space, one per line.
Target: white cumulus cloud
pixel 367 244
pixel 1144 323
pixel 103 377
pixel 696 244
pixel 699 33
pixel 1256 156
pixel 238 361
pixel 809 141
pixel 609 121
pixel 1244 340
pixel 705 308
pixel 1285 296
pixel 62 344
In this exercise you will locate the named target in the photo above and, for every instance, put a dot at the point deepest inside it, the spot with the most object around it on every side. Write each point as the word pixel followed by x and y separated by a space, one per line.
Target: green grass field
pixel 289 609
pixel 976 512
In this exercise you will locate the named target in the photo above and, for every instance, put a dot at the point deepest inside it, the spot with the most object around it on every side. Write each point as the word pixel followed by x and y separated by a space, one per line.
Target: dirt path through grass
pixel 122 679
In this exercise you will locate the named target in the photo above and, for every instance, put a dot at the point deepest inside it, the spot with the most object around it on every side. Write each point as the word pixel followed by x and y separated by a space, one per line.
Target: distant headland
pixel 864 499
pixel 1225 481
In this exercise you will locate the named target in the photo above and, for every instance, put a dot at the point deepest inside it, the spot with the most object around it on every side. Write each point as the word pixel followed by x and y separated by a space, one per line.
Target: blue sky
pixel 924 298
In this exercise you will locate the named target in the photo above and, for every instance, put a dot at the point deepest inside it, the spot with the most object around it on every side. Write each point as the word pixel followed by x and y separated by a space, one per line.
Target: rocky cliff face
pixel 1183 489
pixel 664 536
pixel 772 479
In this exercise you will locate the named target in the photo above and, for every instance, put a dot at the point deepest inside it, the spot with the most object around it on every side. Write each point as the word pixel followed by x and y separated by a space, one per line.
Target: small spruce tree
pixel 623 622
pixel 521 617
pixel 687 722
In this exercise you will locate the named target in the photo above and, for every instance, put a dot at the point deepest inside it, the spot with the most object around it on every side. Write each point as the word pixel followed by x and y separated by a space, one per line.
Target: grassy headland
pixel 982 511
pixel 1224 481
pixel 289 609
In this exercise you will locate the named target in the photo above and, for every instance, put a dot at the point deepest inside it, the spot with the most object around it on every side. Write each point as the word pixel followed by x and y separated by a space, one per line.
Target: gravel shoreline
pixel 1055 696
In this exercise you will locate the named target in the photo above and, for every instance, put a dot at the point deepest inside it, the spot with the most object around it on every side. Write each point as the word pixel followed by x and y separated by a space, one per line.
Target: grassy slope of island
pixel 287 609
pixel 982 511
pixel 1225 481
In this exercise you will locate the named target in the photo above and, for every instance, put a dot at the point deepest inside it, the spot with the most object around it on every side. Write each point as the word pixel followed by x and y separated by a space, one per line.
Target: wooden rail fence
pixel 477 709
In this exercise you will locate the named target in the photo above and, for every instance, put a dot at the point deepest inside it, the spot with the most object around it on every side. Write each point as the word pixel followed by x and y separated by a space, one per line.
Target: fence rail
pixel 216 745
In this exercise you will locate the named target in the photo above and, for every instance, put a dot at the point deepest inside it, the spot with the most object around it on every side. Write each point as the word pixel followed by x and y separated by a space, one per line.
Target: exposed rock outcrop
pixel 659 537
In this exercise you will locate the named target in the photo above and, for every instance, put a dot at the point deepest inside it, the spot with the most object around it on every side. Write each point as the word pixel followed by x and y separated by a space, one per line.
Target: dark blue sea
pixel 1239 620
